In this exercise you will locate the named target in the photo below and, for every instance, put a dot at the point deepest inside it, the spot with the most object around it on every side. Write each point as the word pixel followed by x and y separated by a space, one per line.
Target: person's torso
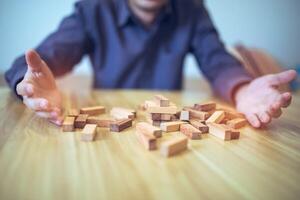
pixel 126 55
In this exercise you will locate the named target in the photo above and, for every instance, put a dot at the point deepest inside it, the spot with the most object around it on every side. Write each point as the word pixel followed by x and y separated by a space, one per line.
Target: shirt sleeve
pixel 61 50
pixel 224 72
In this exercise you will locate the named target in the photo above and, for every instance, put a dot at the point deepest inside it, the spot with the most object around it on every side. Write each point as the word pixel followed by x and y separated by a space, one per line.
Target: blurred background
pixel 272 25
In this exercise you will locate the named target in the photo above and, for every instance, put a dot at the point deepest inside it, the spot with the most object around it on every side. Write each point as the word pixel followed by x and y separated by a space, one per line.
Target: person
pixel 142 44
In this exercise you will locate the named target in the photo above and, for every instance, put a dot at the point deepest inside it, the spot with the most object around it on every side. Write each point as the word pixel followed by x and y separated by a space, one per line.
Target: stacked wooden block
pixel 192 122
pixel 160 110
pixel 162 116
pixel 88 120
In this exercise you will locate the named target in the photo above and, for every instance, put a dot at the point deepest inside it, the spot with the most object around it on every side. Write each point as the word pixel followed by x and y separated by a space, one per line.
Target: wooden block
pixel 198 124
pixel 230 113
pixel 174 118
pixel 148 141
pixel 68 124
pixel 149 103
pixel 171 126
pixel 235 134
pixel 161 100
pixel 73 112
pixel 149 129
pixel 122 113
pixel 94 110
pixel 184 115
pixel 88 133
pixel 196 114
pixel 162 110
pixel 156 123
pixel 236 123
pixel 174 146
pixel 120 125
pixel 190 131
pixel 205 106
pixel 161 117
pixel 219 131
pixel 216 117
pixel 155 116
pixel 80 121
pixel 103 123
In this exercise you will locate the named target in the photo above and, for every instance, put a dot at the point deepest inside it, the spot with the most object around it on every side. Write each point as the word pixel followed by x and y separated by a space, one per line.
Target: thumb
pixel 34 61
pixel 283 77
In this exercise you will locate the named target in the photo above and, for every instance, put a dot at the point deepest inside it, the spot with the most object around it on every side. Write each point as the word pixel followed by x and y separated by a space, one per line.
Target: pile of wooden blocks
pixel 88 120
pixel 192 122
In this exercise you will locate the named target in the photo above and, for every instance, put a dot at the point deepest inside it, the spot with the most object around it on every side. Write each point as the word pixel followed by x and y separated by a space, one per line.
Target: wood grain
pixel 39 161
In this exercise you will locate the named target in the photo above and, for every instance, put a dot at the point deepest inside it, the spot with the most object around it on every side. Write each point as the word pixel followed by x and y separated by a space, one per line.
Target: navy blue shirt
pixel 125 54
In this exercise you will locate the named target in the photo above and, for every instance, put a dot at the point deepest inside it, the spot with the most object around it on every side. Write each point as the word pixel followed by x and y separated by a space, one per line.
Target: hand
pixel 261 101
pixel 39 90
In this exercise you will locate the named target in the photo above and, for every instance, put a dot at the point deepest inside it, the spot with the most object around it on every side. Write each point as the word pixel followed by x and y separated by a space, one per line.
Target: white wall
pixel 273 25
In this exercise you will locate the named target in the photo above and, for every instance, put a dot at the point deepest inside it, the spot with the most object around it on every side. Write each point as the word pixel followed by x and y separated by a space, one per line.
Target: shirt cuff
pixel 229 80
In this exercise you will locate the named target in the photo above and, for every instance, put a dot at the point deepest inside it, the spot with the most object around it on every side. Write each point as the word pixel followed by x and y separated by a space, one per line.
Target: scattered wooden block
pixel 190 131
pixel 196 114
pixel 155 116
pixel 161 100
pixel 198 124
pixel 122 113
pixel 184 115
pixel 88 132
pixel 230 113
pixel 162 110
pixel 235 134
pixel 174 146
pixel 237 123
pixel 149 103
pixel 120 125
pixel 174 118
pixel 73 112
pixel 80 121
pixel 205 106
pixel 103 123
pixel 68 124
pixel 161 117
pixel 219 131
pixel 149 129
pixel 94 110
pixel 216 117
pixel 171 126
pixel 148 141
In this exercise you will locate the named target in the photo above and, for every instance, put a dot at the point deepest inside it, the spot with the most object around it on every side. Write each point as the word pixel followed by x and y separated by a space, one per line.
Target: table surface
pixel 38 161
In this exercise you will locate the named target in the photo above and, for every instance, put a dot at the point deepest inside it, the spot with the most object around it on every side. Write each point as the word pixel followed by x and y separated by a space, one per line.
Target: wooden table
pixel 38 161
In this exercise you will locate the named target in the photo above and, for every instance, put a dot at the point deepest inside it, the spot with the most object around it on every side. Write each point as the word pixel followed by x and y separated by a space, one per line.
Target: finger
pixel 37 104
pixel 34 61
pixel 282 77
pixel 286 99
pixel 25 89
pixel 277 114
pixel 57 121
pixel 48 115
pixel 264 117
pixel 274 110
pixel 253 120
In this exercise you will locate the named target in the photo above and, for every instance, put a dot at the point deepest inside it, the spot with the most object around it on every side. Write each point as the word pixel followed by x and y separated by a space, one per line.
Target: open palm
pixel 39 89
pixel 261 100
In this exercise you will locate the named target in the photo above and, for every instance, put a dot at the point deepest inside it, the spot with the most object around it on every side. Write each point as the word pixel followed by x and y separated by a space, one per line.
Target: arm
pixel 223 71
pixel 258 99
pixel 32 76
pixel 60 51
